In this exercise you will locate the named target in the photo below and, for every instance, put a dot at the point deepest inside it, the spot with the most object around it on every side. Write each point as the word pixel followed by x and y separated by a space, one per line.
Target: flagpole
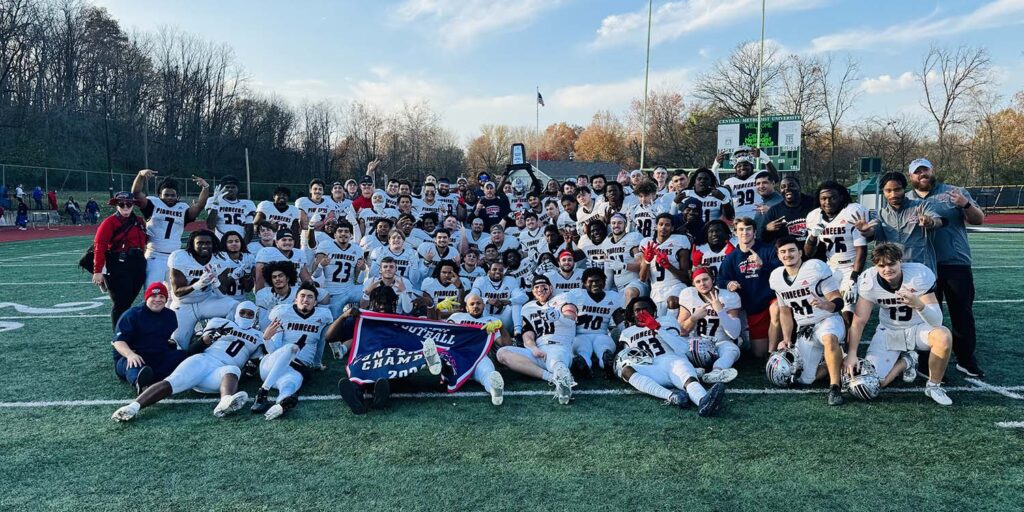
pixel 536 106
pixel 647 68
pixel 760 78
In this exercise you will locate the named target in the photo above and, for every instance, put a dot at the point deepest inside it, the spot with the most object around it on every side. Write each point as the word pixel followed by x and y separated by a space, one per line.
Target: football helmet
pixel 783 367
pixel 864 383
pixel 702 352
pixel 632 357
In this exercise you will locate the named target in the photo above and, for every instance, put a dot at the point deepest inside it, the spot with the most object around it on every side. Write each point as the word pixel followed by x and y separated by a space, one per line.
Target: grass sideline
pixel 602 452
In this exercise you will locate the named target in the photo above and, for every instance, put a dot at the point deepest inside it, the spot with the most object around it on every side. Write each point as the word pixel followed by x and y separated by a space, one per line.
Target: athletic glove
pixel 662 259
pixel 447 305
pixel 645 320
pixel 215 197
pixel 650 251
pixel 239 272
pixel 614 265
pixel 492 326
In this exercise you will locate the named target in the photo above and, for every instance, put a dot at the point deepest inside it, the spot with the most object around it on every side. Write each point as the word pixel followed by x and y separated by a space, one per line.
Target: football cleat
pixel 231 403
pixel 144 380
pixel 719 375
pixel 935 392
pixel 282 406
pixel 608 358
pixel 431 356
pixel 125 413
pixel 835 396
pixel 712 401
pixel 678 399
pixel 497 383
pixel 563 384
pixel 910 372
pixel 579 368
pixel 970 370
pixel 352 396
pixel 381 394
pixel 261 403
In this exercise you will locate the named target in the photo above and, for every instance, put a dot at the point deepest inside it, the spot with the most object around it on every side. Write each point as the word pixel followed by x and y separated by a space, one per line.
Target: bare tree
pixel 838 92
pixel 800 93
pixel 949 78
pixel 732 85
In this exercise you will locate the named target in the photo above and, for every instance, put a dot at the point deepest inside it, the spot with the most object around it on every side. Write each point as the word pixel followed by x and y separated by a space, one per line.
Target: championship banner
pixel 388 346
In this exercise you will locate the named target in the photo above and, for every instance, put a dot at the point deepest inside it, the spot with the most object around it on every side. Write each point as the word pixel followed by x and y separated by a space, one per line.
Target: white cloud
pixel 390 90
pixel 672 20
pixel 999 13
pixel 460 22
pixel 887 84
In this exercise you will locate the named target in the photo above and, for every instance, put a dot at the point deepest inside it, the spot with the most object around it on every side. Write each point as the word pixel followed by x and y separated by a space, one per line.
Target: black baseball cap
pixel 539 279
pixel 366 179
pixel 285 233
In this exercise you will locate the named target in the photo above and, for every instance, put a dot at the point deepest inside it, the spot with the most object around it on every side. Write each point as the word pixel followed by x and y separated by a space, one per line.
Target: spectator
pixel 37 196
pixel 365 193
pixel 73 210
pixel 908 223
pixel 92 211
pixel 119 266
pixel 142 354
pixel 4 192
pixel 765 185
pixel 746 271
pixel 22 218
pixel 954 279
pixel 51 196
pixel 19 192
pixel 790 216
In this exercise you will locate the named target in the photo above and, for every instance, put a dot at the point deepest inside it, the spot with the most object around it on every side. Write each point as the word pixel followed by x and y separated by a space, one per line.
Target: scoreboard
pixel 780 139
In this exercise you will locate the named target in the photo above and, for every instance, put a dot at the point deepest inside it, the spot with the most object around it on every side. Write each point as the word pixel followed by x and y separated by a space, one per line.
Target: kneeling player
pixel 548 332
pixel 909 319
pixel 652 361
pixel 484 373
pixel 712 316
pixel 809 296
pixel 599 310
pixel 294 339
pixel 215 365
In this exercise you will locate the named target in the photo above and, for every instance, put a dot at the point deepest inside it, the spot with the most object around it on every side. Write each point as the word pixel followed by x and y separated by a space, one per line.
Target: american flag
pixel 540 99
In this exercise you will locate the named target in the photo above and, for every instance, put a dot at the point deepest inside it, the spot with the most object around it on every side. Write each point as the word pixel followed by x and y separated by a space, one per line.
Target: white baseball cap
pixel 636 172
pixel 920 162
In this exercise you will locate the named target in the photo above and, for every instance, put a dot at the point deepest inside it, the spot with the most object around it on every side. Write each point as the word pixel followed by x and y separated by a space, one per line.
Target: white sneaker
pixel 125 413
pixel 497 383
pixel 563 385
pixel 274 412
pixel 230 404
pixel 431 356
pixel 910 373
pixel 935 392
pixel 719 375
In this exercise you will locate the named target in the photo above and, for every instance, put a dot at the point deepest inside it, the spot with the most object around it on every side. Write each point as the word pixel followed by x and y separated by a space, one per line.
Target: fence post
pixel 86 182
pixel 46 178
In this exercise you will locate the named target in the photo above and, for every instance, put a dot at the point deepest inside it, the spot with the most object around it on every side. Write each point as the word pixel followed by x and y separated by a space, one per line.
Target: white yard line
pixel 995 389
pixel 1010 424
pixel 481 394
pixel 52 282
pixel 69 264
pixel 41 255
pixel 42 317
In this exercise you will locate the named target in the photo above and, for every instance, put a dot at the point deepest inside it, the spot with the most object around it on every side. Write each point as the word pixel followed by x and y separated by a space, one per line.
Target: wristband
pixel 838 303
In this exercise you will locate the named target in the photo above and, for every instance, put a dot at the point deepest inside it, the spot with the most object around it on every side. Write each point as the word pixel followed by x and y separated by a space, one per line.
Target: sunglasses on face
pixel 125 205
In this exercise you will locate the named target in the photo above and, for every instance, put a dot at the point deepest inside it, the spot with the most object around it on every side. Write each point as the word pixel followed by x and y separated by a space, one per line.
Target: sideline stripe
pixel 1010 424
pixel 70 265
pixel 995 389
pixel 482 394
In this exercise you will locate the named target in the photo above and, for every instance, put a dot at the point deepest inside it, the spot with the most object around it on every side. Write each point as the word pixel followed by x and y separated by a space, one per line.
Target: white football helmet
pixel 519 186
pixel 783 367
pixel 631 357
pixel 702 352
pixel 864 383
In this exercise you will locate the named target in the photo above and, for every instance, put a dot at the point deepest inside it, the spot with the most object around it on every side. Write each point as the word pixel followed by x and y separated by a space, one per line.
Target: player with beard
pixel 501 242
pixel 719 244
pixel 705 311
pixel 445 196
pixel 227 213
pixel 431 203
pixel 809 306
pixel 315 204
pixel 652 362
pixel 598 310
pixel 567 277
pixel 955 281
pixel 592 246
pixel 503 297
pixel 484 373
pixel 789 218
pixel 283 250
pixel 665 263
pixel 444 288
pixel 548 332
pixel 214 365
pixel 279 213
pixel 621 262
pixel 517 268
pixel 166 218
pixel 379 238
pixel 831 227
pixel 192 277
pixel 281 280
pixel 714 199
pixel 234 265
pixel 476 238
pixel 342 261
pixel 439 249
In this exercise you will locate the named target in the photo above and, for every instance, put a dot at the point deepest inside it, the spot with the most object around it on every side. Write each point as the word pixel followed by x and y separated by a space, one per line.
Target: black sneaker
pixel 970 370
pixel 712 402
pixel 579 368
pixel 835 396
pixel 144 380
pixel 381 394
pixel 352 396
pixel 609 365
pixel 261 403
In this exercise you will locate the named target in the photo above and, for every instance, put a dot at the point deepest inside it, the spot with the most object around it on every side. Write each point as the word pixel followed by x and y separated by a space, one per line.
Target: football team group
pixel 663 280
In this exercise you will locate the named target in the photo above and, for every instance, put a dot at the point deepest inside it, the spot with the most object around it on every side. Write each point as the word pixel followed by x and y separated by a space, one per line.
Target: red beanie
pixel 698 271
pixel 156 288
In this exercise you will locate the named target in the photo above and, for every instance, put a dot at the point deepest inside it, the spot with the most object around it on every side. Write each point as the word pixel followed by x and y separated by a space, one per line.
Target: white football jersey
pixel 470 276
pixel 712 206
pixel 438 208
pixel 644 339
pixel 709 326
pixel 814 279
pixel 310 208
pixel 369 216
pixel 407 261
pixel 918 279
pixel 523 275
pixel 464 318
pixel 183 262
pixel 623 250
pixel 529 240
pixel 233 216
pixel 593 316
pixel 165 226
pixel 221 262
pixel 642 217
pixel 306 331
pixel 744 195
pixel 340 272
pixel 298 257
pixel 840 237
pixel 436 254
pixel 233 345
pixel 439 292
pixel 597 211
pixel 506 289
pixel 595 254
pixel 267 300
pixel 704 256
pixel 479 243
pixel 256 247
pixel 561 284
pixel 450 202
pixel 278 219
pixel 560 331
pixel 662 279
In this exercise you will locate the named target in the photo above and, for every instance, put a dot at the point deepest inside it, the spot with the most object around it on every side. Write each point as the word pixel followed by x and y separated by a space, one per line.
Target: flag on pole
pixel 540 99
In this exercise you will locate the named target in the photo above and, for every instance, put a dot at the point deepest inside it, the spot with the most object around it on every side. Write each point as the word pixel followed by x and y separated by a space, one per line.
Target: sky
pixel 480 62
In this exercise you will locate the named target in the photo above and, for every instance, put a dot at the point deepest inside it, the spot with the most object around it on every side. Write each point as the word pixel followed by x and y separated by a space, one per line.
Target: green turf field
pixel 606 451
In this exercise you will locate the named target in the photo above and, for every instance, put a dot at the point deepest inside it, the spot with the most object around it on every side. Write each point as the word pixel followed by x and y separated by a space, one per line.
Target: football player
pixel 809 306
pixel 281 278
pixel 652 361
pixel 909 319
pixel 708 312
pixel 283 250
pixel 742 186
pixel 567 278
pixel 714 199
pixel 406 260
pixel 279 213
pixel 166 218
pixel 832 226
pixel 643 215
pixel 315 204
pixel 193 280
pixel 718 245
pixel 439 249
pixel 516 268
pixel 368 217
pixel 444 288
pixel 665 262
pixel 531 237
pixel 342 262
pixel 227 213
pixel 592 245
pixel 484 373
pixel 548 332
pixel 503 297
pixel 234 265
pixel 598 311
pixel 621 262
pixel 215 364
pixel 265 237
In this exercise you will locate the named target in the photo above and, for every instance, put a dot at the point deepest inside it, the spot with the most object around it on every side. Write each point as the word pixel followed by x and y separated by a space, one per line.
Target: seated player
pixel 621 249
pixel 808 296
pixel 192 277
pixel 282 278
pixel 234 265
pixel 484 373
pixel 712 315
pixel 389 277
pixel 445 289
pixel 653 360
pixel 665 263
pixel 295 340
pixel 503 297
pixel 214 365
pixel 909 319
pixel 342 261
pixel 548 331
pixel 598 310
pixel 141 352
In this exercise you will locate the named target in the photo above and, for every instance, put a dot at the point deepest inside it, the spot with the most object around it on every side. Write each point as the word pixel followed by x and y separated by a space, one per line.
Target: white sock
pixel 135 405
pixel 548 376
pixel 647 385
pixel 695 391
